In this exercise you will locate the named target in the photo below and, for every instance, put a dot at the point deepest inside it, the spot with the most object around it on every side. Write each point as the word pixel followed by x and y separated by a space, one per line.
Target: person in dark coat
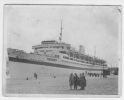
pixel 76 80
pixel 71 81
pixel 80 80
pixel 35 75
pixel 83 81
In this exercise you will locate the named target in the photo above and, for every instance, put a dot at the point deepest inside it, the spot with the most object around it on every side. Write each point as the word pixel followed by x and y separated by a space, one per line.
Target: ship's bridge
pixel 51 45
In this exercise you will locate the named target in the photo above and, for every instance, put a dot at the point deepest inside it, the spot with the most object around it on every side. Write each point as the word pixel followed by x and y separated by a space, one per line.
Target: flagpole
pixel 111 67
pixel 94 51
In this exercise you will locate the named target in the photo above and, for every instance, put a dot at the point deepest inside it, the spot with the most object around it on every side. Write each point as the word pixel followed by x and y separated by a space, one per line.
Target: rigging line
pixel 60 38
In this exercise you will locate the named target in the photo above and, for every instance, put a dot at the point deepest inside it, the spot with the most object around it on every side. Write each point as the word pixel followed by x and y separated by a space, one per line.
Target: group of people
pixel 77 81
pixel 104 75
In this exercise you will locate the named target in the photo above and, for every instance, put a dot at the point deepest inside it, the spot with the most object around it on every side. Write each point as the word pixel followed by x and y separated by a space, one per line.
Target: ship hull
pixel 23 65
pixel 23 69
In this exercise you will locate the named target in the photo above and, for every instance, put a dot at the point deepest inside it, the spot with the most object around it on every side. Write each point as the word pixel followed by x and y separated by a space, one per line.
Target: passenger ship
pixel 52 58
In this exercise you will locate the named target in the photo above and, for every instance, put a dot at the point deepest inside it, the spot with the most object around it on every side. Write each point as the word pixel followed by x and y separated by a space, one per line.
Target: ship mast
pixel 60 38
pixel 94 51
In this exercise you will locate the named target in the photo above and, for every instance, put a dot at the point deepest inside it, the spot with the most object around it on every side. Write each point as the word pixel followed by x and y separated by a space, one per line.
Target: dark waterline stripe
pixel 48 64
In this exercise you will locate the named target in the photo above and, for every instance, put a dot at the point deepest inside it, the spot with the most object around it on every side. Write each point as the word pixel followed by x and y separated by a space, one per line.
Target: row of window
pixel 50 55
pixel 48 47
pixel 71 63
pixel 50 59
pixel 83 57
pixel 56 56
pixel 80 64
pixel 82 61
pixel 36 60
pixel 65 57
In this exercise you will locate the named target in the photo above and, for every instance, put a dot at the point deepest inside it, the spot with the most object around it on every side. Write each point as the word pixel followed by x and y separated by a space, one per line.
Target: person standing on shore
pixel 80 78
pixel 35 75
pixel 76 79
pixel 83 81
pixel 71 81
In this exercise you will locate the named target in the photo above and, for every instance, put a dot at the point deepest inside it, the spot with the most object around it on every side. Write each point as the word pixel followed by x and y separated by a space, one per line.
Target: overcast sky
pixel 28 25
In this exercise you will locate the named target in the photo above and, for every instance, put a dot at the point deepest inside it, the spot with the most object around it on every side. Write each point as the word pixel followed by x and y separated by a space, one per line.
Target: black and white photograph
pixel 62 50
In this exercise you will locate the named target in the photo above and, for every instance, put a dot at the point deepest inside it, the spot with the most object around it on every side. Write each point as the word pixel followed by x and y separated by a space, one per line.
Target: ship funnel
pixel 81 49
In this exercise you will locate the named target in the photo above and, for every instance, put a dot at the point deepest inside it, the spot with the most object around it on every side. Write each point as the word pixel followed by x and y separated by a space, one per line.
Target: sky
pixel 90 26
